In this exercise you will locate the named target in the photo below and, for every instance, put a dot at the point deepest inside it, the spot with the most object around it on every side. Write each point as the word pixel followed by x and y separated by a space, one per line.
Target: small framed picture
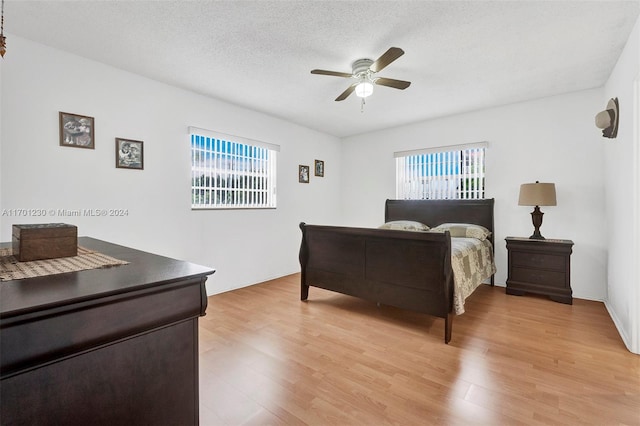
pixel 319 168
pixel 303 174
pixel 129 154
pixel 76 130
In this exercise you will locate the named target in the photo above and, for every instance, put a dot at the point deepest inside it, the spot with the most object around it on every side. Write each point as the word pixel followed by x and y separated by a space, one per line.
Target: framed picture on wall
pixel 129 154
pixel 319 168
pixel 303 174
pixel 76 130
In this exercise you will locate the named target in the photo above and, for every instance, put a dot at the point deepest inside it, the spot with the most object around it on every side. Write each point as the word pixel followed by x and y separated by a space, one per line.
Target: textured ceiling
pixel 459 55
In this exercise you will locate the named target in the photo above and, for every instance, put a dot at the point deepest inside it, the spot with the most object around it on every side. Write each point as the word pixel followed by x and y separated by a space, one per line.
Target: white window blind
pixel 231 171
pixel 454 172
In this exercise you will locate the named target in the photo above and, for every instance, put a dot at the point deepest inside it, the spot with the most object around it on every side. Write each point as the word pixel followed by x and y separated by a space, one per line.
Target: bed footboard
pixel 408 270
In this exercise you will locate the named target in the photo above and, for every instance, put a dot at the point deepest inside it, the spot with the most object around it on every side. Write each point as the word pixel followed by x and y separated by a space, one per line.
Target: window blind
pixel 231 172
pixel 454 172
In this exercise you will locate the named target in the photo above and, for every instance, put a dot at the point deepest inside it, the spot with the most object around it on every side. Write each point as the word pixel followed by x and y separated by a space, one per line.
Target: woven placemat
pixel 11 269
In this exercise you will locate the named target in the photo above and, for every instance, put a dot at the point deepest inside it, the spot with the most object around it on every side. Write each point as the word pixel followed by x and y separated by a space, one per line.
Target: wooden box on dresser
pixel 112 346
pixel 540 267
pixel 44 241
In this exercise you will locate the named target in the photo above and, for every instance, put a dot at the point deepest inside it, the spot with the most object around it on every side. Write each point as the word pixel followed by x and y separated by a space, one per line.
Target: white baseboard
pixel 626 339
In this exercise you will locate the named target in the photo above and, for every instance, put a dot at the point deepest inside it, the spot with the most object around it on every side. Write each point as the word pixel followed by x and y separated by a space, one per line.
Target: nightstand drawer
pixel 538 260
pixel 539 277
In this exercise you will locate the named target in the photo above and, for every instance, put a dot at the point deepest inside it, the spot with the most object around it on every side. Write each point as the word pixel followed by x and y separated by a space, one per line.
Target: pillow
pixel 405 225
pixel 468 230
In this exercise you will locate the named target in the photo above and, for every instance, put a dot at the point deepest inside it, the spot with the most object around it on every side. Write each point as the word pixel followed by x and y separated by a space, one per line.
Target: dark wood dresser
pixel 111 346
pixel 541 267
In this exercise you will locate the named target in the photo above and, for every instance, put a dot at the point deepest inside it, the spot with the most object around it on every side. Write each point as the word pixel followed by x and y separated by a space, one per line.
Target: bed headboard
pixel 435 212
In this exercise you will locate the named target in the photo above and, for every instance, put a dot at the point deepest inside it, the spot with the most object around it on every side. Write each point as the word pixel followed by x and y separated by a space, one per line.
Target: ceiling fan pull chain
pixel 362 105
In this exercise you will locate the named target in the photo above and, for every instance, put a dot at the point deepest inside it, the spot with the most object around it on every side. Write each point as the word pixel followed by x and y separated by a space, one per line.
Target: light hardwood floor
pixel 266 358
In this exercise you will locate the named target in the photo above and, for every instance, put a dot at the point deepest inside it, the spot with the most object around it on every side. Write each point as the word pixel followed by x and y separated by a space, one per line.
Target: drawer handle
pixel 537 260
pixel 537 277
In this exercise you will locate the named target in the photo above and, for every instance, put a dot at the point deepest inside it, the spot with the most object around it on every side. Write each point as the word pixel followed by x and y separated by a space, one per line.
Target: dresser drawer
pixel 86 325
pixel 538 260
pixel 539 277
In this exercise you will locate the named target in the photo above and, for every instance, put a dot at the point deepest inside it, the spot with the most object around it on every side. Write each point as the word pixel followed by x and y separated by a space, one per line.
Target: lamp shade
pixel 364 89
pixel 537 194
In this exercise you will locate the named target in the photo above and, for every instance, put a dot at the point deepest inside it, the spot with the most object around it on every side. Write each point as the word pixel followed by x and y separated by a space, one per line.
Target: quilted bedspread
pixel 472 263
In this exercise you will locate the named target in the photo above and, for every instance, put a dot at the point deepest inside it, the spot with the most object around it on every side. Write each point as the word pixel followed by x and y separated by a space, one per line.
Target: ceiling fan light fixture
pixel 364 89
pixel 364 73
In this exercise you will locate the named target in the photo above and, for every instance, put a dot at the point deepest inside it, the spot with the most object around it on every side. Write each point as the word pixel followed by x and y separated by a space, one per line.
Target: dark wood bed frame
pixel 408 270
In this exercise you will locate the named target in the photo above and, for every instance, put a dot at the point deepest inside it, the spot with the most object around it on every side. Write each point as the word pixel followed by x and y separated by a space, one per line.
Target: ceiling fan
pixel 364 72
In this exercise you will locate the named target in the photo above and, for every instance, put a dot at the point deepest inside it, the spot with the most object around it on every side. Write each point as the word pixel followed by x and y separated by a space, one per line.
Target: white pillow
pixel 405 225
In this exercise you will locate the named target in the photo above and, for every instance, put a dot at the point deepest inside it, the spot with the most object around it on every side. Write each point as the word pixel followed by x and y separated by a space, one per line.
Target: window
pixel 231 172
pixel 454 172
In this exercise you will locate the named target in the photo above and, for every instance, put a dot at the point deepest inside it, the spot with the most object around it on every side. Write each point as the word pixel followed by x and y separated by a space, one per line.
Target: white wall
pixel 36 173
pixel 622 164
pixel 550 140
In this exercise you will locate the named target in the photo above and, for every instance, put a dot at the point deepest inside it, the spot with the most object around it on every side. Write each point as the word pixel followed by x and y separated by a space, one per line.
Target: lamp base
pixel 537 237
pixel 536 218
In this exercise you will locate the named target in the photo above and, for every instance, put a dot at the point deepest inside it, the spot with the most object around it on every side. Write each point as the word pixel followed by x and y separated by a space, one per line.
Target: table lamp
pixel 537 194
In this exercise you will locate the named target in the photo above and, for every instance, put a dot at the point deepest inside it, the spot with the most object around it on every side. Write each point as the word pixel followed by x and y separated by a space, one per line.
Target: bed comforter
pixel 472 263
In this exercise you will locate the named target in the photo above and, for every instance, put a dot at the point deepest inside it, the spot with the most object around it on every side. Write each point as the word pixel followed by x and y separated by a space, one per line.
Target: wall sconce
pixel 3 39
pixel 537 194
pixel 607 120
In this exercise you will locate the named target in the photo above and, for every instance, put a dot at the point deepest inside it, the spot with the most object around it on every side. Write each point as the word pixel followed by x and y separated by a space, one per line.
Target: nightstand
pixel 541 267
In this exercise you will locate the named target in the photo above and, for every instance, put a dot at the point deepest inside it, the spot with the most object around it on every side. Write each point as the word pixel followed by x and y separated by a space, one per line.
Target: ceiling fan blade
pixel 390 82
pixel 387 57
pixel 333 73
pixel 346 93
